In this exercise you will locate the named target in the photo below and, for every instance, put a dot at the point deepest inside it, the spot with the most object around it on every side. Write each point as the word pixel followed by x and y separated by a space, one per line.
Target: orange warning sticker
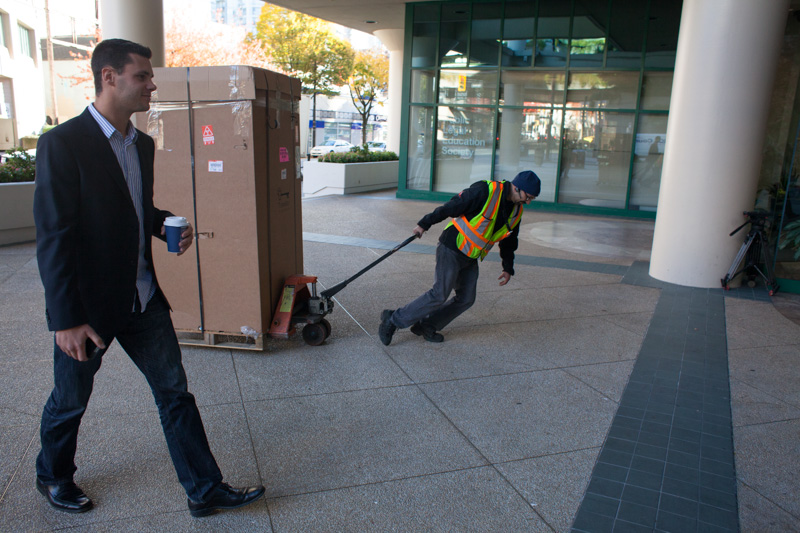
pixel 208 135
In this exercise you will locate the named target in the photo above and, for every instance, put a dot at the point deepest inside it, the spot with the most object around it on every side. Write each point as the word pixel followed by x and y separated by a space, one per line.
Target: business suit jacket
pixel 87 231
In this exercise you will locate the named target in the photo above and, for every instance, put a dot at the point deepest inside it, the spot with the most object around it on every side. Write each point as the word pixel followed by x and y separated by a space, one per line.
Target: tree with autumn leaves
pixel 368 82
pixel 287 41
pixel 305 47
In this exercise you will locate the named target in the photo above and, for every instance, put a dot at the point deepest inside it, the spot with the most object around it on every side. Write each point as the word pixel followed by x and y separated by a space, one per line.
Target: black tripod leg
pixel 732 272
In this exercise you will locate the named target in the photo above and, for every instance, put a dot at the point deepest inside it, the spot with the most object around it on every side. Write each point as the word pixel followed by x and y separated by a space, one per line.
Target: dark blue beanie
pixel 529 182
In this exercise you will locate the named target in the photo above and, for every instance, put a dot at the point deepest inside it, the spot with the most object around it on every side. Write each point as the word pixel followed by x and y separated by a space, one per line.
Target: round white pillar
pixel 140 21
pixel 393 41
pixel 510 132
pixel 724 72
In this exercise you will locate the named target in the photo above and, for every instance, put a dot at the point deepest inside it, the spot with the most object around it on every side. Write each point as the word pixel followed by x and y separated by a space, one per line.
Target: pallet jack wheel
pixel 314 334
pixel 327 325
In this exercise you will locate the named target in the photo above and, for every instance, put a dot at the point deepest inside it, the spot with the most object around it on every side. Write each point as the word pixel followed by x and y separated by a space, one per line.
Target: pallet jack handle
pixel 328 293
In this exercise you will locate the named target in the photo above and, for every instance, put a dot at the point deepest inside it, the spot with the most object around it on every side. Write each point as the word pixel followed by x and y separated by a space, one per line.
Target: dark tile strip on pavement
pixel 667 463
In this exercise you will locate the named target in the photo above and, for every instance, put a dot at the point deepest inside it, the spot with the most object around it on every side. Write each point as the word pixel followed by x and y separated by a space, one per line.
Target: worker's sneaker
pixel 427 332
pixel 386 329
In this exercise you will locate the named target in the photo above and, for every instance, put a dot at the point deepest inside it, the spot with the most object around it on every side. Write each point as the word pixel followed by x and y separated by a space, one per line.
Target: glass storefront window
pixel 468 87
pixel 656 90
pixel 528 140
pixel 552 33
pixel 454 37
pixel 525 88
pixel 626 33
pixel 614 90
pixel 648 157
pixel 517 49
pixel 423 39
pixel 555 86
pixel 588 41
pixel 423 86
pixel 464 144
pixel 420 141
pixel 485 46
pixel 595 158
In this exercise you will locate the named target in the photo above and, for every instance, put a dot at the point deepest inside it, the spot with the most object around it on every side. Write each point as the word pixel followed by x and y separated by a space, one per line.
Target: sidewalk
pixel 582 394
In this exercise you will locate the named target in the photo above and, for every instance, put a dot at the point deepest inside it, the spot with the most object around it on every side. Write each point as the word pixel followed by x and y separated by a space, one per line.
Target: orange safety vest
pixel 477 236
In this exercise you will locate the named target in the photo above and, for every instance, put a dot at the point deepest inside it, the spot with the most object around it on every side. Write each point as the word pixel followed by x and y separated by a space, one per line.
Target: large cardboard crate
pixel 228 159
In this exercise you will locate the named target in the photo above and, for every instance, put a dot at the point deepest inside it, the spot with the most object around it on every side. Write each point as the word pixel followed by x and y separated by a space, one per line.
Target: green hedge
pixel 358 155
pixel 20 166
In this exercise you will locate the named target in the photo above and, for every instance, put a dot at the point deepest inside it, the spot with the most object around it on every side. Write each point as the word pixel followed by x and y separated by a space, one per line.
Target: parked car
pixel 334 145
pixel 4 156
pixel 375 146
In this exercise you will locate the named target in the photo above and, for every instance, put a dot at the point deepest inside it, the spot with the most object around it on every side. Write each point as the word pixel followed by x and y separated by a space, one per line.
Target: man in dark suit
pixel 95 218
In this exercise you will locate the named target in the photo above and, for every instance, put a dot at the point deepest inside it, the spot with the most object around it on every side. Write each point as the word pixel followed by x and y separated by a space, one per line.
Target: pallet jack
pixel 298 305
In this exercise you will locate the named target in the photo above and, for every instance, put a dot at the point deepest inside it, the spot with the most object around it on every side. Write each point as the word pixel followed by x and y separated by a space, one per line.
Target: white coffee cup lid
pixel 176 221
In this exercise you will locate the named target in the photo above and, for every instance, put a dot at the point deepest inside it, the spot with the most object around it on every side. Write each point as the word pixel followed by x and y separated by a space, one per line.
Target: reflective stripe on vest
pixel 476 237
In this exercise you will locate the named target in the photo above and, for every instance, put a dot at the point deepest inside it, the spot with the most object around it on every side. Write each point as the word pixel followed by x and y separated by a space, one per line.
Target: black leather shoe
pixel 225 497
pixel 67 497
pixel 428 333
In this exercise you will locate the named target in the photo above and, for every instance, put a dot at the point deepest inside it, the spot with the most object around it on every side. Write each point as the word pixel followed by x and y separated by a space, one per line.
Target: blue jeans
pixel 150 341
pixel 454 272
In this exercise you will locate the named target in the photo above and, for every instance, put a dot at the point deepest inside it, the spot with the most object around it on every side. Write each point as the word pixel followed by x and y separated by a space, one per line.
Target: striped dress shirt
pixel 128 157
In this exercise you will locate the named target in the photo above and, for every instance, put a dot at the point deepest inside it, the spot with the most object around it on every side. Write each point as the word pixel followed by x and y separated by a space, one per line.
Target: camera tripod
pixel 752 250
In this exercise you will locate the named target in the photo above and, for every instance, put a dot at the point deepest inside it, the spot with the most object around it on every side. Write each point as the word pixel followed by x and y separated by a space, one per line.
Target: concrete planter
pixel 16 213
pixel 323 179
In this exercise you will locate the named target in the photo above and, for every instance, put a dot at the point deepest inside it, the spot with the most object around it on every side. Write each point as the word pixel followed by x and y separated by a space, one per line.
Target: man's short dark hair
pixel 114 53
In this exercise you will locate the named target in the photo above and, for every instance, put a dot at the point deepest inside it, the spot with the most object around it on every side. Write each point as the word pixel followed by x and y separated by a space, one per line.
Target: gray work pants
pixel 454 271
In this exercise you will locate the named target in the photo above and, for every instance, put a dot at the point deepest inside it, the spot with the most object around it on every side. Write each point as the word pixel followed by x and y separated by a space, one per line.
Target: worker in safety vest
pixel 483 214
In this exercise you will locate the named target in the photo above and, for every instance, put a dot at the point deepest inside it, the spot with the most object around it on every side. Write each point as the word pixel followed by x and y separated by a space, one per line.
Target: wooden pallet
pixel 220 339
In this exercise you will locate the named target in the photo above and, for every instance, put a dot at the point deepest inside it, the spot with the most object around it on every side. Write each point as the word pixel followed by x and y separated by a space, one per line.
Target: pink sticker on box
pixel 284 154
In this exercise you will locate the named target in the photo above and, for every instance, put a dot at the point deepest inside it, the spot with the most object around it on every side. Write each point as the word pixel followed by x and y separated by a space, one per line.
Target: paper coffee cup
pixel 174 226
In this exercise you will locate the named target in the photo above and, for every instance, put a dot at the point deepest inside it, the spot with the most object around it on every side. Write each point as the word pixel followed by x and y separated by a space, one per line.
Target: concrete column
pixel 393 40
pixel 727 55
pixel 510 132
pixel 141 21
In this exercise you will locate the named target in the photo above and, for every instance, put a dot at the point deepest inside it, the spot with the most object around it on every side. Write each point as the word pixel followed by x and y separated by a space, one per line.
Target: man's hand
pixel 73 341
pixel 504 278
pixel 187 237
pixel 418 231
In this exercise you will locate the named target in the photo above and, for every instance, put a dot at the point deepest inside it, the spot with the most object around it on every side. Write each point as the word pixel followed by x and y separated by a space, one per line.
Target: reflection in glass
pixel 626 33
pixel 423 40
pixel 662 33
pixel 468 87
pixel 532 88
pixel 463 147
pixel 485 46
pixel 552 33
pixel 656 90
pixel 518 34
pixel 420 138
pixel 454 36
pixel 595 158
pixel 423 86
pixel 651 136
pixel 588 34
pixel 615 90
pixel 528 140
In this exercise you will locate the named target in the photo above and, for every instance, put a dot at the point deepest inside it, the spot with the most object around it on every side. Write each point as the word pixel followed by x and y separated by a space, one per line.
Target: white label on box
pixel 283 173
pixel 214 165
